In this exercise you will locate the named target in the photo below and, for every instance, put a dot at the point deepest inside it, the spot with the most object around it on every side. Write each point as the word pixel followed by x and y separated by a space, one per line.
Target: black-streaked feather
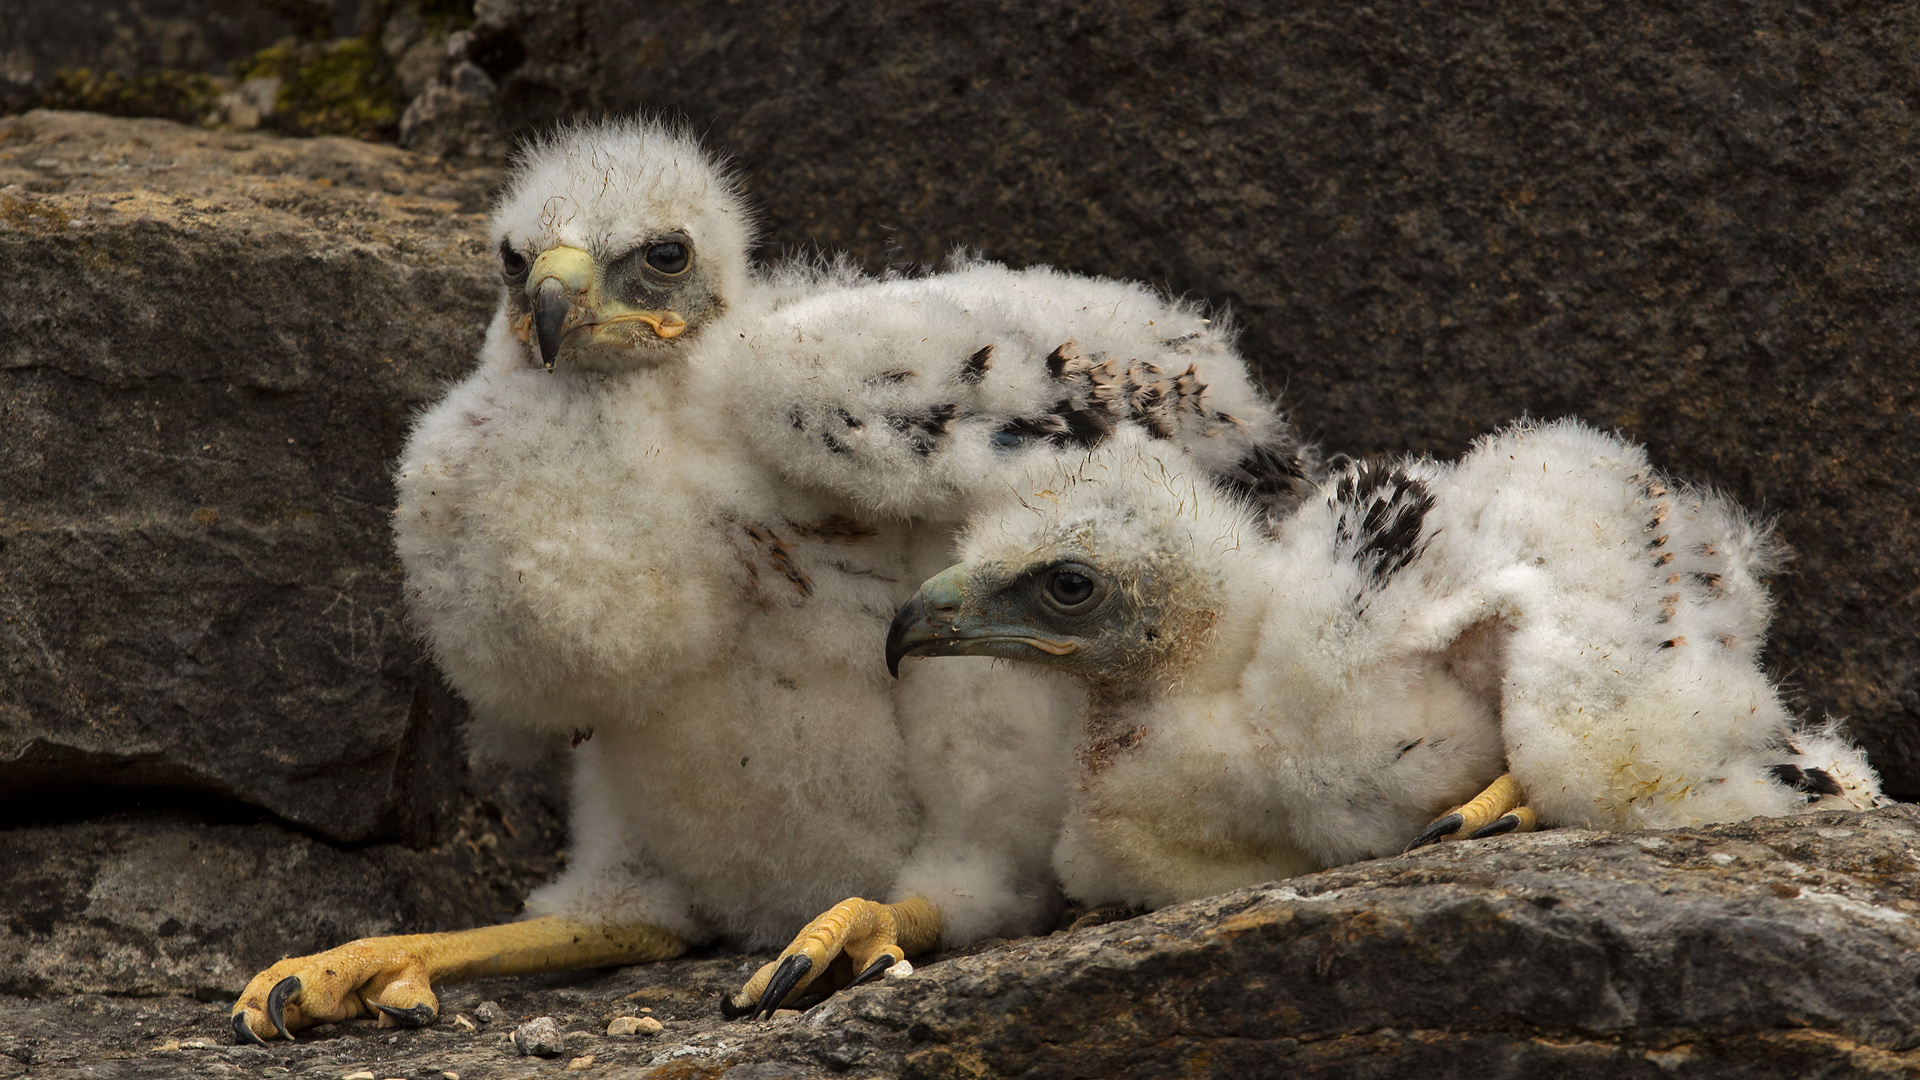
pixel 1382 511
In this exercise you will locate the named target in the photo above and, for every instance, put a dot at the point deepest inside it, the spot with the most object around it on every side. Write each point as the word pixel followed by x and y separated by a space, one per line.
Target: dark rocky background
pixel 217 741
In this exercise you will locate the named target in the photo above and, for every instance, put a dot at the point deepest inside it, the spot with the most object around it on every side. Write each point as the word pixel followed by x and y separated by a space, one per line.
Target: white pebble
pixel 900 970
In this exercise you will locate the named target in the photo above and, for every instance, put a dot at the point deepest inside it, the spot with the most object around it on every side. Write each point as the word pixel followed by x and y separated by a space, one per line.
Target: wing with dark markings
pixel 1381 512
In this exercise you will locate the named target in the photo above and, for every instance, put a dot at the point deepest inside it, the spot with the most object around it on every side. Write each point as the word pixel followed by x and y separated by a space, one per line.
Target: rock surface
pixel 41 37
pixel 152 902
pixel 215 343
pixel 1783 948
pixel 220 340
pixel 1698 224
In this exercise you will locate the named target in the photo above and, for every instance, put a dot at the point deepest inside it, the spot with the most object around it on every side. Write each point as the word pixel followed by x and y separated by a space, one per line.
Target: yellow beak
pixel 570 312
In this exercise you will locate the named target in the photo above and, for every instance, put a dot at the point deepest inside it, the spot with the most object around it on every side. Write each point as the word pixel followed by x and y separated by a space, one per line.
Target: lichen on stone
pixel 328 88
pixel 187 96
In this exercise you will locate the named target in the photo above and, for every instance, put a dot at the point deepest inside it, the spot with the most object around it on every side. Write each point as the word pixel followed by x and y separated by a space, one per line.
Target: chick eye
pixel 512 263
pixel 1069 588
pixel 668 258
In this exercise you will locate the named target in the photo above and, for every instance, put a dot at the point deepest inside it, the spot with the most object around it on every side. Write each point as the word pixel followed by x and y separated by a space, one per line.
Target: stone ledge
pixel 1769 948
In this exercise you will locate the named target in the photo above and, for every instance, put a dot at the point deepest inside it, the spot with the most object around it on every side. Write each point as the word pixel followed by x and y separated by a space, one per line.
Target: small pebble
pixel 461 1022
pixel 488 1012
pixel 634 1025
pixel 580 1064
pixel 539 1037
pixel 449 1076
pixel 1721 858
pixel 900 970
pixel 361 1075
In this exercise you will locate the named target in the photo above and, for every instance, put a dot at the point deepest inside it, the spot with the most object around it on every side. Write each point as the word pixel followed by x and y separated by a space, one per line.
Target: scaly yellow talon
pixel 392 977
pixel 1477 817
pixel 872 937
pixel 1518 819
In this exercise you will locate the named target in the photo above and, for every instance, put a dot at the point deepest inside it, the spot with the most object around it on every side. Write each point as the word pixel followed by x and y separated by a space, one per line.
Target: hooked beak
pixel 935 623
pixel 569 311
pixel 551 306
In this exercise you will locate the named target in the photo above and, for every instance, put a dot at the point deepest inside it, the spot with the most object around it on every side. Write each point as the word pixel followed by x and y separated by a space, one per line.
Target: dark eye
pixel 1069 588
pixel 512 263
pixel 668 258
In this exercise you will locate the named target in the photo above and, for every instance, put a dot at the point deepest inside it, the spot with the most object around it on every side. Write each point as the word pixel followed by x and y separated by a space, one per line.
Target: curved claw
pixel 792 970
pixel 1485 814
pixel 880 964
pixel 1519 819
pixel 1500 825
pixel 413 1016
pixel 730 1011
pixel 1440 829
pixel 277 1004
pixel 243 1033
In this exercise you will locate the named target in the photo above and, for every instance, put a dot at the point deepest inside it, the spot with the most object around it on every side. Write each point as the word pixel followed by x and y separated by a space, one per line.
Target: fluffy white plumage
pixel 1268 698
pixel 688 537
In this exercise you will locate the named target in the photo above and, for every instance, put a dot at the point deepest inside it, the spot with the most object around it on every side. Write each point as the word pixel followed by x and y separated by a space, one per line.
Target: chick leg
pixel 392 977
pixel 1494 811
pixel 874 937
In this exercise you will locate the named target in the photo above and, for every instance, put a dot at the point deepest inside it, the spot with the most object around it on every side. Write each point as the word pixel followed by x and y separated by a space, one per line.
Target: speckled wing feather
pixel 909 394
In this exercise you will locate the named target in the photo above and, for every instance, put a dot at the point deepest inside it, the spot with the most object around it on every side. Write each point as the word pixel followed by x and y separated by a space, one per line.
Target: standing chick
pixel 668 519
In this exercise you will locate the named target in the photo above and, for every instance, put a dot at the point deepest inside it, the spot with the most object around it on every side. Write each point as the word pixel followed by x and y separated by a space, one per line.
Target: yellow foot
pixel 392 977
pixel 1494 811
pixel 870 937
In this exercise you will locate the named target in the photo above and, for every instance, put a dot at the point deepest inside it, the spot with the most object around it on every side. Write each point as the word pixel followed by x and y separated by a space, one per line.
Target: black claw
pixel 277 1004
pixel 873 970
pixel 785 978
pixel 730 1011
pixel 243 1033
pixel 1439 830
pixel 1504 824
pixel 412 1016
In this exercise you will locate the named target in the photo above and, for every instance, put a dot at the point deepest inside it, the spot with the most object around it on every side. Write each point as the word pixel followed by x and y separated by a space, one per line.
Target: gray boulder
pixel 218 741
pixel 218 342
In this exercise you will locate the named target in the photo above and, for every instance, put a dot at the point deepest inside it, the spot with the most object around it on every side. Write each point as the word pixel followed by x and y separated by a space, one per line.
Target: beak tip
pixel 550 308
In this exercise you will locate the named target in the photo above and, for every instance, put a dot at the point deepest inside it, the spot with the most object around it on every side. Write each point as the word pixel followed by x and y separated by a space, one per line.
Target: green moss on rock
pixel 336 88
pixel 187 96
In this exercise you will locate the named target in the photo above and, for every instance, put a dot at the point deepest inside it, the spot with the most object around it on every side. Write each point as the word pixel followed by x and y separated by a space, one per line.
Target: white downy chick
pixel 633 526
pixel 1269 698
